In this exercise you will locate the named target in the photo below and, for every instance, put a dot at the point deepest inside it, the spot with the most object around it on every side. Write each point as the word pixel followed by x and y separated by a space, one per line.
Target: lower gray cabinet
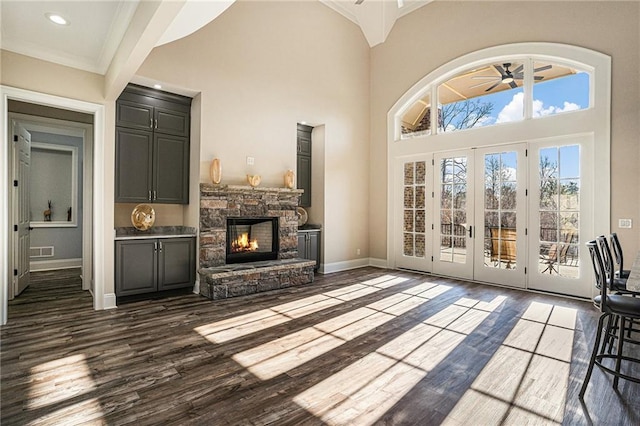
pixel 151 265
pixel 309 246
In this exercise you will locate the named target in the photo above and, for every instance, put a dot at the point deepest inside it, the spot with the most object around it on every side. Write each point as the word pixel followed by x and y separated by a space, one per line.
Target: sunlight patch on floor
pixel 243 325
pixel 281 355
pixel 526 380
pixel 72 380
pixel 364 391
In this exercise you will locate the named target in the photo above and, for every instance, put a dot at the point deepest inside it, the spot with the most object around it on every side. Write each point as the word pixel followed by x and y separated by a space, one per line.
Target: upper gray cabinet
pixel 152 146
pixel 303 163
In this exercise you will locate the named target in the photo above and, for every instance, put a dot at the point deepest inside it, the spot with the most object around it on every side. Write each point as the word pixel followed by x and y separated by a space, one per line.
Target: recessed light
pixel 56 18
pixel 157 86
pixel 303 122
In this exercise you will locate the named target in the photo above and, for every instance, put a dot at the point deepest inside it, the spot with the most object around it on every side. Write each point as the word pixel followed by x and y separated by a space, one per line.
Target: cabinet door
pixel 136 267
pixel 314 248
pixel 134 115
pixel 177 263
pixel 171 122
pixel 302 245
pixel 133 165
pixel 304 179
pixel 170 169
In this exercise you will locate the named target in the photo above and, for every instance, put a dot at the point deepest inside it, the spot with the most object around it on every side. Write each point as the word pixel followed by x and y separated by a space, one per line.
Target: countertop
pixel 309 227
pixel 131 233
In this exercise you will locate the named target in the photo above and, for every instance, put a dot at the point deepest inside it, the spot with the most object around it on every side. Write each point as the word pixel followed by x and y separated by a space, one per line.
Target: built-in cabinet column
pixel 304 163
pixel 152 146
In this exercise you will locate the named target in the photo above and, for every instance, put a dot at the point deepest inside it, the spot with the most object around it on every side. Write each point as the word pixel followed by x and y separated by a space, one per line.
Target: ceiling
pixel 96 27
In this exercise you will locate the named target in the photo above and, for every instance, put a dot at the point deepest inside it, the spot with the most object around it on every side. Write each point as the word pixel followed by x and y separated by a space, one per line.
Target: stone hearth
pixel 217 203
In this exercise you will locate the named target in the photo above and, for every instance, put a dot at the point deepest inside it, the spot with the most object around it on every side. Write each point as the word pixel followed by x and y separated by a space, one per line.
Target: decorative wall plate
pixel 143 217
pixel 302 216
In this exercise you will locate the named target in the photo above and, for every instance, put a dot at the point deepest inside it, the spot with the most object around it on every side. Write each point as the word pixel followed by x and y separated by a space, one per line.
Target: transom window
pixel 494 93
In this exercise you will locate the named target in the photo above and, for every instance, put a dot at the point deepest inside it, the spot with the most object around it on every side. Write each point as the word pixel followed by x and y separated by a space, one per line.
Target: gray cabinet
pixel 152 147
pixel 309 245
pixel 152 265
pixel 303 163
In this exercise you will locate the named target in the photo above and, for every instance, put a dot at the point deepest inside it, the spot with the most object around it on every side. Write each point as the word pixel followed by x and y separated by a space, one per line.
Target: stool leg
pixel 596 344
pixel 611 337
pixel 619 353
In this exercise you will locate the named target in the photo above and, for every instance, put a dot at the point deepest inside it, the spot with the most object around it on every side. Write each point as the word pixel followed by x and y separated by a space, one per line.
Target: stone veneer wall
pixel 217 202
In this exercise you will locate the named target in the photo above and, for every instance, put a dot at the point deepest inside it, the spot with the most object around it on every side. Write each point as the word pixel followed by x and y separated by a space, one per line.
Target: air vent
pixel 36 252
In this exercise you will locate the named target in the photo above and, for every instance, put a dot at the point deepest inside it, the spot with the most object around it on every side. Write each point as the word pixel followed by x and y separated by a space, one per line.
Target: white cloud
pixel 513 111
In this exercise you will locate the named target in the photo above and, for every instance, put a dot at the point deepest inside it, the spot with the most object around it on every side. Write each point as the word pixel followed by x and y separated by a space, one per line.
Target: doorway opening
pixel 94 239
pixel 52 173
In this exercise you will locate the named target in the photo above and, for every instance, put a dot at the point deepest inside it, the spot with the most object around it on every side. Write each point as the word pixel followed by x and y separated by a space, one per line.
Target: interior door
pixel 22 244
pixel 501 215
pixel 414 213
pixel 453 204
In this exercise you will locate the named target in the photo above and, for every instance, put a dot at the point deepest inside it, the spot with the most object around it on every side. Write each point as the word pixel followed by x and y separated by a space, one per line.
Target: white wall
pixel 262 67
pixel 442 31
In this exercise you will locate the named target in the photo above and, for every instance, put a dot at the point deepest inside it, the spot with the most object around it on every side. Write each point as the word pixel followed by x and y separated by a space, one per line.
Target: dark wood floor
pixel 368 346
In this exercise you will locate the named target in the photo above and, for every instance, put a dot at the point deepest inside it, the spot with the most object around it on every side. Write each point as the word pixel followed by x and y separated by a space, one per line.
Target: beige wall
pixel 262 67
pixel 442 31
pixel 25 72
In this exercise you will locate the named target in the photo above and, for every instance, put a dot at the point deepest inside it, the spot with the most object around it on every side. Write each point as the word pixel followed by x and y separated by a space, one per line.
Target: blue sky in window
pixel 562 94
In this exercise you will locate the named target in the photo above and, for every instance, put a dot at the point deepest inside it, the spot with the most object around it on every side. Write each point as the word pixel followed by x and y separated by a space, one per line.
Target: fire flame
pixel 243 243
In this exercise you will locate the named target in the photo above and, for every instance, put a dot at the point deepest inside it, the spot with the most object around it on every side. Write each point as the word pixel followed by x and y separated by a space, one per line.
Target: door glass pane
pixel 559 213
pixel 413 227
pixel 453 209
pixel 500 188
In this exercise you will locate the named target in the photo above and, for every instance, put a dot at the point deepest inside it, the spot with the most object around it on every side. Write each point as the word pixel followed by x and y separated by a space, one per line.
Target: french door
pixel 453 205
pixel 561 215
pixel 509 214
pixel 458 212
pixel 501 215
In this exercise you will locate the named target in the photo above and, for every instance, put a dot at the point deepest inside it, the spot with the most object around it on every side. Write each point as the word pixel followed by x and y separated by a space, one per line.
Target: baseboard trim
pixel 52 265
pixel 378 263
pixel 109 301
pixel 328 268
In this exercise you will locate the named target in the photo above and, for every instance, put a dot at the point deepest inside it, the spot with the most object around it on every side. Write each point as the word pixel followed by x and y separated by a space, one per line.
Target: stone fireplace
pixel 249 240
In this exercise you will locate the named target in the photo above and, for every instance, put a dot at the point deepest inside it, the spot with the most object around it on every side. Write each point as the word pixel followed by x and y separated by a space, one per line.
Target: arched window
pixel 498 91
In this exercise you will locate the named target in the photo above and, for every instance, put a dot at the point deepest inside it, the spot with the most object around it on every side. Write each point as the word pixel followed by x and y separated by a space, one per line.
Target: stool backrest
pixel 617 252
pixel 607 258
pixel 599 272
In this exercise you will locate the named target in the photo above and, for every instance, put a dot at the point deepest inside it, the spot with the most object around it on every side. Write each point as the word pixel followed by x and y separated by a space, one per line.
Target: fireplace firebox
pixel 251 239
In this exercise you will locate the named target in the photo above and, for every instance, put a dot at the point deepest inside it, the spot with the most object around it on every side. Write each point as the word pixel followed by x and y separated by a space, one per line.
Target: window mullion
pixel 528 88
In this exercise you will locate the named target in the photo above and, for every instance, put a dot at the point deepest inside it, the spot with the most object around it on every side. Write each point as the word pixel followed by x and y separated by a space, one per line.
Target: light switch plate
pixel 625 223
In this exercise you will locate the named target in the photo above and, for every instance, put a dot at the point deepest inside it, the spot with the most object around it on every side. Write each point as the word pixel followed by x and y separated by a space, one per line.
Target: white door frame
pixel 97 232
pixel 84 131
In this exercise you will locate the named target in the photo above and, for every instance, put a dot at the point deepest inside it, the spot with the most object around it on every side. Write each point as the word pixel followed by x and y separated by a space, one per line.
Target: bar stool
pixel 611 305
pixel 617 251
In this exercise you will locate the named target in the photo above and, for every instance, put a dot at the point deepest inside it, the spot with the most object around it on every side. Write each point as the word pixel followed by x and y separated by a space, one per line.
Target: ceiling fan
pixel 506 76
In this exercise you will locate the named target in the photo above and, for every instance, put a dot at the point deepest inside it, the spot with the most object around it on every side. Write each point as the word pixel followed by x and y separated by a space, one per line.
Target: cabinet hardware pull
pixel 155 195
pixel 149 195
pixel 160 245
pixel 155 246
pixel 151 122
pixel 156 126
